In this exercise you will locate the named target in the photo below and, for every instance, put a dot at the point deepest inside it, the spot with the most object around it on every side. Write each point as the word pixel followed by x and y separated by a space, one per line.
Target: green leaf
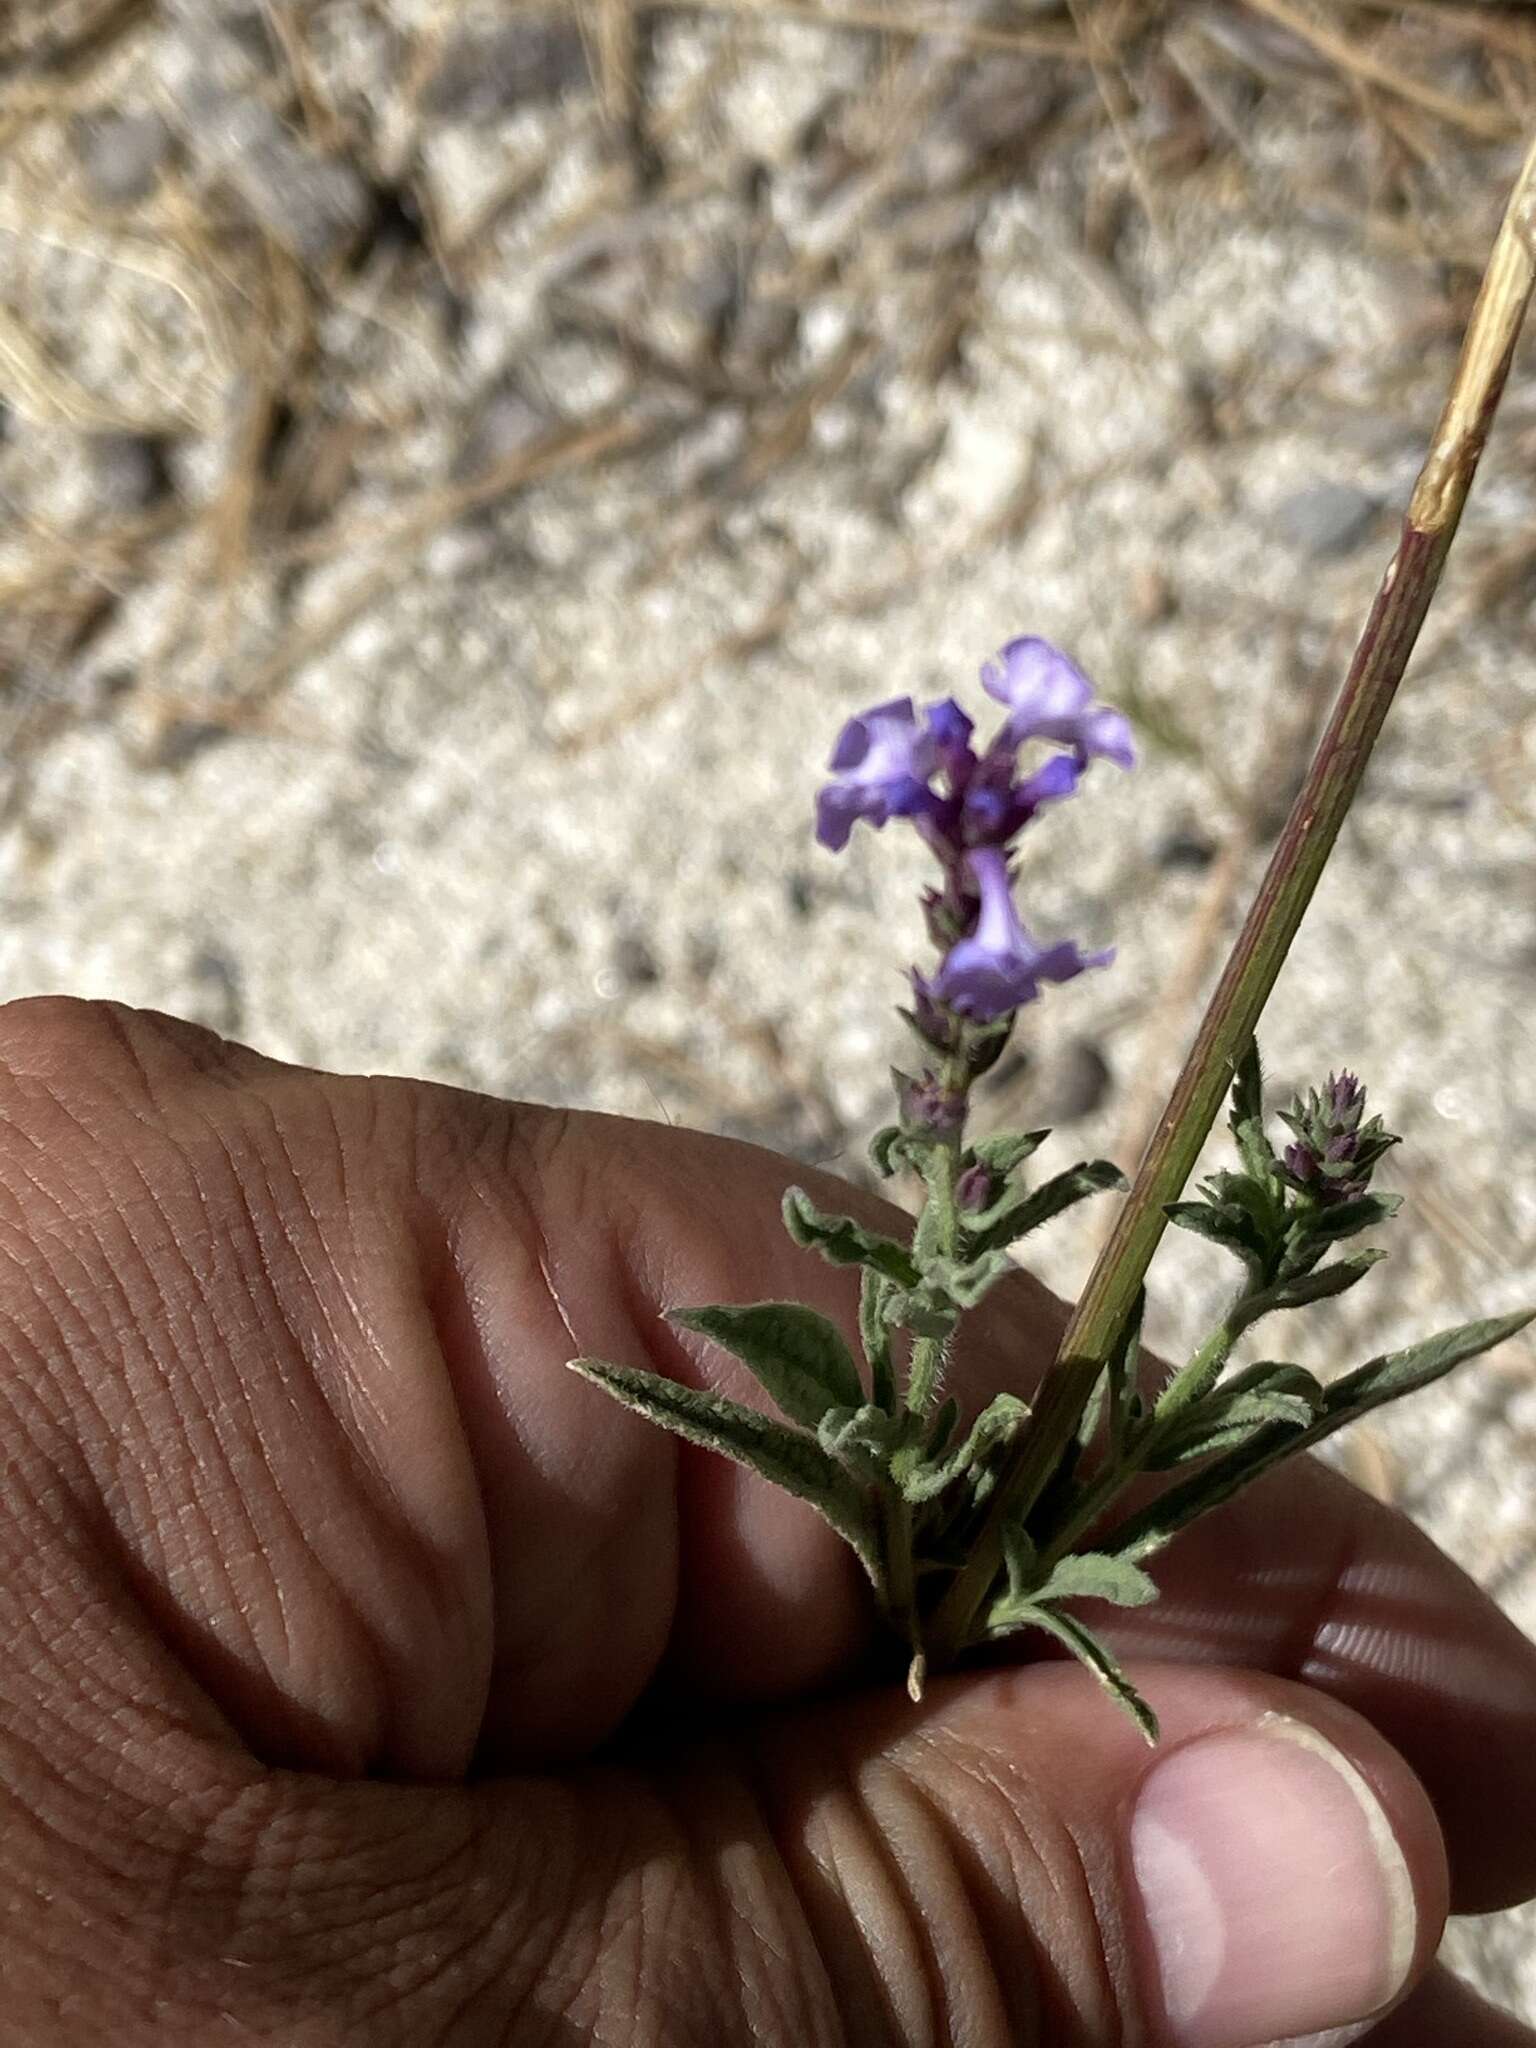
pixel 1247 1117
pixel 886 1152
pixel 862 1438
pixel 785 1457
pixel 1021 1559
pixel 999 1422
pixel 1380 1380
pixel 1301 1288
pixel 1230 1227
pixel 1016 1215
pixel 1085 1646
pixel 842 1242
pixel 917 1310
pixel 1347 1219
pixel 1008 1150
pixel 792 1351
pixel 937 1219
pixel 1122 1375
pixel 1419 1365
pixel 965 1283
pixel 942 1428
pixel 1096 1575
pixel 1239 1409
pixel 875 1332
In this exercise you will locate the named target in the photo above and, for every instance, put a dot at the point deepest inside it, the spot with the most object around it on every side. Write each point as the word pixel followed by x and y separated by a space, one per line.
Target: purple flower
pixel 882 763
pixel 1049 698
pixel 999 966
pixel 894 762
pixel 1335 1151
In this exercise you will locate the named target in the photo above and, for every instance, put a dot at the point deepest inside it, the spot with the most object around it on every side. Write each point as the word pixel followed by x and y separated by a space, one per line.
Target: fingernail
pixel 1276 1898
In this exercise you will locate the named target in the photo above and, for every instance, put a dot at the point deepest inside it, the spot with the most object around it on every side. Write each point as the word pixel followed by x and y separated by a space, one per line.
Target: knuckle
pixel 75 1050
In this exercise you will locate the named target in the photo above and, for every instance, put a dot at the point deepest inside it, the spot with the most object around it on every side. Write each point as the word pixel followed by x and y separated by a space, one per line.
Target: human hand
pixel 367 1677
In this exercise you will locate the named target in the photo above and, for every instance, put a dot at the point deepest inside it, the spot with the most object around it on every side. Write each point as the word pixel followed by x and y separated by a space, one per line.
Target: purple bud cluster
pixel 1334 1152
pixel 969 805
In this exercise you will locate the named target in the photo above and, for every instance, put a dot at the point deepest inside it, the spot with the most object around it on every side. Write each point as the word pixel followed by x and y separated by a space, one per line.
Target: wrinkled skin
pixel 367 1677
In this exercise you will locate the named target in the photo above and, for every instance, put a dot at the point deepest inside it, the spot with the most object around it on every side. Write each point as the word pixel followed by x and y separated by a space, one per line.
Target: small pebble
pixel 122 155
pixel 481 77
pixel 1070 1083
pixel 1327 519
pixel 316 206
pixel 1190 851
pixel 129 471
pixel 634 962
pixel 506 420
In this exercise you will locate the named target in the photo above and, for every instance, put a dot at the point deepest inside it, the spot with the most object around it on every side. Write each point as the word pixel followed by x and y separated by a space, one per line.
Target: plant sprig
pixel 970 1534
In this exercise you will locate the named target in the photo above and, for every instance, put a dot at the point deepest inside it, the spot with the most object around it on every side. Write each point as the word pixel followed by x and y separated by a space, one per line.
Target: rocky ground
pixel 459 466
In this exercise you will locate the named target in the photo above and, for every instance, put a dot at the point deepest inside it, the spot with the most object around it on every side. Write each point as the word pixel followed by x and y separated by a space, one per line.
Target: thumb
pixel 1012 1864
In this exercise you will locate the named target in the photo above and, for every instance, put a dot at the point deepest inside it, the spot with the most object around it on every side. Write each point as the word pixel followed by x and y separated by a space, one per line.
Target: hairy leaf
pixel 1207 1433
pixel 886 1151
pixel 1348 1219
pixel 1230 1227
pixel 1382 1379
pixel 998 1422
pixel 793 1352
pixel 1085 1646
pixel 875 1332
pixel 1009 1149
pixel 1097 1575
pixel 1419 1365
pixel 862 1438
pixel 784 1456
pixel 1018 1214
pixel 966 1282
pixel 1247 1118
pixel 1302 1288
pixel 843 1242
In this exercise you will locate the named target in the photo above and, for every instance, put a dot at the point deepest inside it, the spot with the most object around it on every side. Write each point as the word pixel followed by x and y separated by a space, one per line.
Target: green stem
pixel 1382 655
pixel 900 1577
pixel 940 1226
pixel 1192 1382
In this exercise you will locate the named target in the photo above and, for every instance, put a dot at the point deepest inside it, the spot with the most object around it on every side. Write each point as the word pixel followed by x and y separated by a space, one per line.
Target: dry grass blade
pixel 1493 123
pixel 876 20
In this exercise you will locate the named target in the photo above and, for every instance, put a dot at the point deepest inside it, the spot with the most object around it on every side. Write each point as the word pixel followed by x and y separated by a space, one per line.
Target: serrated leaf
pixel 1402 1372
pixel 1008 1150
pixel 794 1353
pixel 1017 1215
pixel 785 1457
pixel 842 1242
pixel 1087 1648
